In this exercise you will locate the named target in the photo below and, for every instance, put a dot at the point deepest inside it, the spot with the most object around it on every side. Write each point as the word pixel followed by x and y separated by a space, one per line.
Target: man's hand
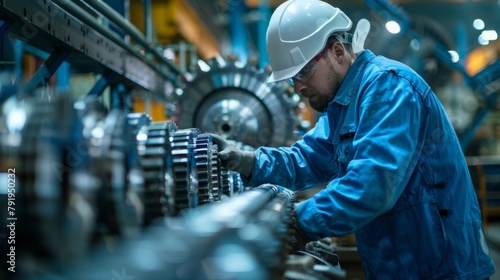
pixel 296 239
pixel 233 158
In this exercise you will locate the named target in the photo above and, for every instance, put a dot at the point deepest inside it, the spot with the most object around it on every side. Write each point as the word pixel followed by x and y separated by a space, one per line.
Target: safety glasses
pixel 307 71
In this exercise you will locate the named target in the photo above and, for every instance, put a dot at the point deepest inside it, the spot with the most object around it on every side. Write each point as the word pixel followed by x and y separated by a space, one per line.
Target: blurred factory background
pixel 105 153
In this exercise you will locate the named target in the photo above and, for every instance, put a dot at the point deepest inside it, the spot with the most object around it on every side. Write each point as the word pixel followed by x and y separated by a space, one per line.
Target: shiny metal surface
pixel 235 101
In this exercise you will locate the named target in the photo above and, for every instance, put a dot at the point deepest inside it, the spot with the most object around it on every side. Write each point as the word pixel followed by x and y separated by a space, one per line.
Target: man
pixel 396 174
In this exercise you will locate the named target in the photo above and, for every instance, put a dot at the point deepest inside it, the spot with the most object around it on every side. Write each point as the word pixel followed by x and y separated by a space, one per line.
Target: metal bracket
pixel 101 85
pixel 46 71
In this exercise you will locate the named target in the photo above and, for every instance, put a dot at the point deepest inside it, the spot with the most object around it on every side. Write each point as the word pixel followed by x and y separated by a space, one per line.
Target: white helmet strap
pixel 360 34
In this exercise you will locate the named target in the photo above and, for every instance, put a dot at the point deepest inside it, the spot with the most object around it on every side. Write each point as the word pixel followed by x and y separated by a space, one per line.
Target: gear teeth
pixel 235 184
pixel 156 161
pixel 206 164
pixel 203 165
pixel 136 121
pixel 224 182
pixel 184 168
pixel 215 174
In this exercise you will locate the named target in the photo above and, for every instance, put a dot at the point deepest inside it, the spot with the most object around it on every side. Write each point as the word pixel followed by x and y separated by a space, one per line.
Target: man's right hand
pixel 233 158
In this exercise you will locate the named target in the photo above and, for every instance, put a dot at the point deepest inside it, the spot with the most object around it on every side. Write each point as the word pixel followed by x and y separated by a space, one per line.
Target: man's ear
pixel 339 51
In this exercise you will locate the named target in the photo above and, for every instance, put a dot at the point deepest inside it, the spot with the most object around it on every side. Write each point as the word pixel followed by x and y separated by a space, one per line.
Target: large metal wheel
pixel 235 101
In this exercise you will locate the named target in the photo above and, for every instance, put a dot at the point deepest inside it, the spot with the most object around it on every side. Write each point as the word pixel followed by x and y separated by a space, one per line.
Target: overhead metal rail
pixel 69 33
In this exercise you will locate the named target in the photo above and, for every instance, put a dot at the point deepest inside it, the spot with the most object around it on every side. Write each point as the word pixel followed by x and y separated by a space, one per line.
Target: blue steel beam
pixel 18 58
pixel 148 20
pixel 101 85
pixel 48 68
pixel 63 78
pixel 118 98
pixel 265 12
pixel 239 40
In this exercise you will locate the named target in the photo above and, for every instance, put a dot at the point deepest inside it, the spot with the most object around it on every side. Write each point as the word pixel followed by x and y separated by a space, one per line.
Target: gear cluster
pixel 87 174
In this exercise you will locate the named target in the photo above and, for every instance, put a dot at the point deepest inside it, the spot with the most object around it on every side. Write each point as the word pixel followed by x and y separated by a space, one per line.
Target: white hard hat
pixel 298 31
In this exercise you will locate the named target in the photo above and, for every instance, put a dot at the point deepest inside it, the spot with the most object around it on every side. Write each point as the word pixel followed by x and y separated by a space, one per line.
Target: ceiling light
pixel 478 24
pixel 482 40
pixel 490 35
pixel 393 27
pixel 454 55
pixel 169 53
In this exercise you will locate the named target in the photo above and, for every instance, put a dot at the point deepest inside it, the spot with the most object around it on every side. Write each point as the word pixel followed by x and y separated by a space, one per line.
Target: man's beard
pixel 319 101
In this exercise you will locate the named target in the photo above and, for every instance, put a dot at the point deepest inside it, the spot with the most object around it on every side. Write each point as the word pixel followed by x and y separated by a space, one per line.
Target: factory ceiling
pixel 450 19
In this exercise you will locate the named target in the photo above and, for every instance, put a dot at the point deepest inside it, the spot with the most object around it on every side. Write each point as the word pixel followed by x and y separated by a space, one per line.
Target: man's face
pixel 320 96
pixel 321 86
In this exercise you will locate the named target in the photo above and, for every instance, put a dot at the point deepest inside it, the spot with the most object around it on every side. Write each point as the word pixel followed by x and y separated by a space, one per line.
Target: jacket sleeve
pixel 309 162
pixel 385 153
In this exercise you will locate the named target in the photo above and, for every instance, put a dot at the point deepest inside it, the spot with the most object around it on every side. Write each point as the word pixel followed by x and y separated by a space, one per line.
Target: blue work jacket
pixel 396 175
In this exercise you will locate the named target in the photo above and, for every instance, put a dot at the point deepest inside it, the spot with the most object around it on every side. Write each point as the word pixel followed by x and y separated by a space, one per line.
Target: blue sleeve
pixel 309 162
pixel 385 148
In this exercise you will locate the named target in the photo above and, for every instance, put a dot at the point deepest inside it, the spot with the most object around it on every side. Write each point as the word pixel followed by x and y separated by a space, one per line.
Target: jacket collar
pixel 352 77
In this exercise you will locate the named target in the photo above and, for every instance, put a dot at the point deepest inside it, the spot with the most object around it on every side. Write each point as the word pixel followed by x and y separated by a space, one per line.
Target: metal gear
pixel 55 192
pixel 206 164
pixel 154 149
pixel 110 153
pixel 235 101
pixel 184 168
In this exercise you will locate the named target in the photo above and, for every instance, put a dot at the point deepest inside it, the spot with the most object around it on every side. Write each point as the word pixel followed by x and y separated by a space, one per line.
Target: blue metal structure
pixel 485 83
pixel 70 34
pixel 265 15
pixel 45 72
pixel 239 36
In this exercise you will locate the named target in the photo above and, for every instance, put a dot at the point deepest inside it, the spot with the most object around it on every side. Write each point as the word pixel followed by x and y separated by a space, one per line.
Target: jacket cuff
pixel 309 221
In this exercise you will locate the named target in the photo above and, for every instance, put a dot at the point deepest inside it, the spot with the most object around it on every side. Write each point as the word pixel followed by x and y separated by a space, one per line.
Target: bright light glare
pixel 415 45
pixel 203 66
pixel 169 53
pixel 393 27
pixel 454 56
pixel 490 35
pixel 478 24
pixel 482 40
pixel 179 91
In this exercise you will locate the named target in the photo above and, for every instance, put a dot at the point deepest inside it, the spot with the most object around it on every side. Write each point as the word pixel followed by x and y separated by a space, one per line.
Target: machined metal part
pixel 184 168
pixel 240 238
pixel 207 170
pixel 56 193
pixel 235 101
pixel 155 157
pixel 224 181
pixel 137 121
pixel 111 154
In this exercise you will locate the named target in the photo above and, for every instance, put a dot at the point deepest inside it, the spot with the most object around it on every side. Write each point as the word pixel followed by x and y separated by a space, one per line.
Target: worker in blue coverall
pixel 395 172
